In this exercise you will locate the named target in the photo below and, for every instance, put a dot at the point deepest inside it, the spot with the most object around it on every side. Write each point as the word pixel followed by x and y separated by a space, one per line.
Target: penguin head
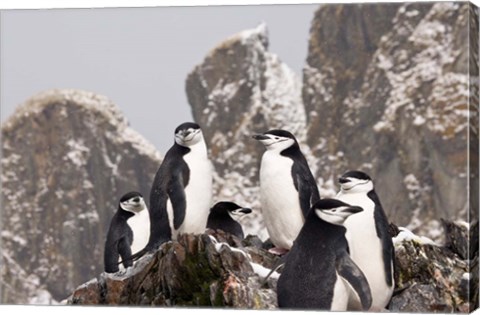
pixel 355 182
pixel 188 134
pixel 230 208
pixel 132 202
pixel 334 211
pixel 276 140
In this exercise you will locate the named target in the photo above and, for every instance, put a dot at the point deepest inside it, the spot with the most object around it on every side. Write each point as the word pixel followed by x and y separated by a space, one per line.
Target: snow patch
pixel 20 241
pixel 143 146
pixel 407 235
pixel 467 276
pixel 221 246
pixel 78 153
pixel 263 271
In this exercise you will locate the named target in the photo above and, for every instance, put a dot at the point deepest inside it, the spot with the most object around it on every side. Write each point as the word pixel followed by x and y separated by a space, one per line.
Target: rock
pixel 19 287
pixel 68 156
pixel 386 90
pixel 196 270
pixel 238 90
pixel 432 278
pixel 419 298
pixel 461 239
pixel 207 270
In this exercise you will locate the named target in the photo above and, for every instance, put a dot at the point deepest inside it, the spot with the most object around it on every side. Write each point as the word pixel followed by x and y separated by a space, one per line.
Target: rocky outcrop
pixel 68 156
pixel 196 270
pixel 431 278
pixel 218 270
pixel 386 90
pixel 241 89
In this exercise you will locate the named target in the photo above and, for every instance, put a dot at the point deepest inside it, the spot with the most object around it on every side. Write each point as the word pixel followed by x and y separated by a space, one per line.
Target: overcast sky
pixel 137 57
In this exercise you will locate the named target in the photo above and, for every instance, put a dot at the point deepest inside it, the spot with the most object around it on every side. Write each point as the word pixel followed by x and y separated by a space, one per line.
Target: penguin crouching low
pixel 225 216
pixel 319 273
pixel 128 232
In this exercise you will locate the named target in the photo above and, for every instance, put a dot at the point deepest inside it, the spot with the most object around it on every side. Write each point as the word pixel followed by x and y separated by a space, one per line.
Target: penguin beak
pixel 260 137
pixel 353 209
pixel 245 210
pixel 343 180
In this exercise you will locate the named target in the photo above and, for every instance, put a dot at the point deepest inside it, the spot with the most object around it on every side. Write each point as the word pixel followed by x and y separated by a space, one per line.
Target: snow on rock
pixel 220 246
pixel 19 286
pixel 195 270
pixel 263 272
pixel 241 89
pixel 68 156
pixel 407 235
pixel 435 278
pixel 394 98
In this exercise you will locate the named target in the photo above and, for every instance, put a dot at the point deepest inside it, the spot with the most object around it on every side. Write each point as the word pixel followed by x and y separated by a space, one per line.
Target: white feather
pixel 140 225
pixel 279 198
pixel 366 248
pixel 340 295
pixel 198 191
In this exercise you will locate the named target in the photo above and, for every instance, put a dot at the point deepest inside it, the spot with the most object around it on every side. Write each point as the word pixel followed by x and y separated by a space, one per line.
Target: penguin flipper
pixel 125 252
pixel 111 253
pixel 176 193
pixel 110 257
pixel 349 271
pixel 306 187
pixel 381 226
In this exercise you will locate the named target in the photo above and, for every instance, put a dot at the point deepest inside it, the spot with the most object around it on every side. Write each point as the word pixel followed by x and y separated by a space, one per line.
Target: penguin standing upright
pixel 287 188
pixel 368 238
pixel 129 231
pixel 225 215
pixel 181 193
pixel 319 273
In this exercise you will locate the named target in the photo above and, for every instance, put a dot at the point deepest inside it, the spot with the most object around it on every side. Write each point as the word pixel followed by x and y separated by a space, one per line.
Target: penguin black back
pixel 318 263
pixel 120 235
pixel 180 197
pixel 377 260
pixel 223 216
pixel 381 224
pixel 173 166
pixel 287 188
pixel 302 176
pixel 316 244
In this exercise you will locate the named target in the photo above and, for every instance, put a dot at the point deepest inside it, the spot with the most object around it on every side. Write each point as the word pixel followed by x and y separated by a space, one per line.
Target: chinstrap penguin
pixel 181 192
pixel 128 233
pixel 287 188
pixel 370 244
pixel 319 273
pixel 225 216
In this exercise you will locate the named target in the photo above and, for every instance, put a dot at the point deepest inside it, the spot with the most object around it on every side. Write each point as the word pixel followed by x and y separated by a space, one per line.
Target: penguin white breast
pixel 198 192
pixel 140 225
pixel 340 295
pixel 366 247
pixel 280 201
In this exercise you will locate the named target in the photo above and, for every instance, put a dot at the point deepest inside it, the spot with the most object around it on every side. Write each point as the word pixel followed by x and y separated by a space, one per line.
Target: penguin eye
pixel 334 210
pixel 276 138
